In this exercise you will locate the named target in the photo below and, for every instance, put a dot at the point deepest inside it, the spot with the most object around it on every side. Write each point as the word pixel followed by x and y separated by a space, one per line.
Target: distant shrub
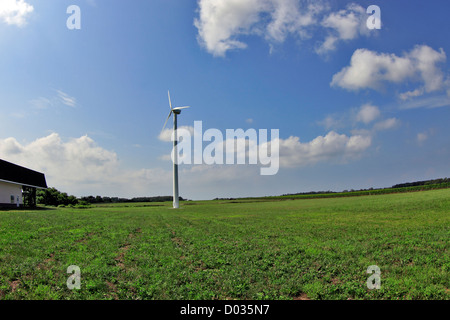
pixel 82 206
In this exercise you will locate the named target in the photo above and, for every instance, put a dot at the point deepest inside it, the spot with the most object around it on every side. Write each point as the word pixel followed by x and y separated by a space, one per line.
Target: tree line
pixel 54 197
pixel 422 183
pixel 441 181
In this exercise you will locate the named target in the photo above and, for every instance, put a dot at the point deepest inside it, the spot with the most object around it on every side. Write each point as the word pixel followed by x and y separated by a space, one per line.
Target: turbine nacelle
pixel 176 110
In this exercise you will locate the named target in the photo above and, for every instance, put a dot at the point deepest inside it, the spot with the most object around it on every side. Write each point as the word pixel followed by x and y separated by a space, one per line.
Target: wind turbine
pixel 176 111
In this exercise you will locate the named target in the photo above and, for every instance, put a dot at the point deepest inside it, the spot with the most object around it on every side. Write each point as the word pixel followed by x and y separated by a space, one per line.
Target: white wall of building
pixel 9 189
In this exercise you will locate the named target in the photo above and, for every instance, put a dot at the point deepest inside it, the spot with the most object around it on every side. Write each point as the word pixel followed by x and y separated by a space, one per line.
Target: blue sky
pixel 355 108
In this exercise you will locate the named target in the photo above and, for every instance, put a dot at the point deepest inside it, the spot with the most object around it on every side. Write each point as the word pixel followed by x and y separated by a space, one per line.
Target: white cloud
pixel 427 102
pixel 15 12
pixel 221 22
pixel 343 25
pixel 425 61
pixel 74 161
pixel 421 138
pixel 10 147
pixel 386 124
pixel 329 122
pixel 61 98
pixel 41 103
pixel 166 134
pixel 368 113
pixel 291 17
pixel 329 44
pixel 66 99
pixel 337 120
pixel 371 70
pixel 363 116
pixel 347 22
pixel 411 94
pixel 333 147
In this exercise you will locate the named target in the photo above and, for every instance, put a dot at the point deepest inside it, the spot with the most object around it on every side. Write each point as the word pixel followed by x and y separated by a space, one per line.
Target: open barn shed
pixel 18 185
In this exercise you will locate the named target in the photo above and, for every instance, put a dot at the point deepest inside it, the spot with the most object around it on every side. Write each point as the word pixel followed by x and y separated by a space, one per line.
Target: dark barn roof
pixel 13 173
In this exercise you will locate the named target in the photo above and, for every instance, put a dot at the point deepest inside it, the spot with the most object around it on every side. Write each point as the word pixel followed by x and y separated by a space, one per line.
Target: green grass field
pixel 252 249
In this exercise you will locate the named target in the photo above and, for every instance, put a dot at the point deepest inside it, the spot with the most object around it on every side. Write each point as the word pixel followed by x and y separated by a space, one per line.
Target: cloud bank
pixel 81 167
pixel 222 24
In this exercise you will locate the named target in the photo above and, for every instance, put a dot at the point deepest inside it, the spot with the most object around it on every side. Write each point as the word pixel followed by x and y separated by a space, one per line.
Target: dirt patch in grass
pixel 302 296
pixel 86 238
pixel 178 241
pixel 138 230
pixel 14 285
pixel 126 246
pixel 44 265
pixel 335 281
pixel 120 258
pixel 201 267
pixel 112 290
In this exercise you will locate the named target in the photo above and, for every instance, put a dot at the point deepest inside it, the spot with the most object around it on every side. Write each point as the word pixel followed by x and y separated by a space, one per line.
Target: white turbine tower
pixel 175 111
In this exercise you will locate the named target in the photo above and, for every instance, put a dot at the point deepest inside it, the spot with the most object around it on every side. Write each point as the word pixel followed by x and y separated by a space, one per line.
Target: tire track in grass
pixel 42 266
pixel 125 247
pixel 120 262
pixel 180 243
pixel 85 239
pixel 197 243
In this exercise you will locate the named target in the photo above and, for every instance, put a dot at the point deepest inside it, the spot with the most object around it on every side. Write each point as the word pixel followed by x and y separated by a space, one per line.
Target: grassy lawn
pixel 259 249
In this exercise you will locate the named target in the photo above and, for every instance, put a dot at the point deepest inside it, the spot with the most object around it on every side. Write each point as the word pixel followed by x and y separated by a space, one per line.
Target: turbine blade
pixel 170 102
pixel 179 108
pixel 170 113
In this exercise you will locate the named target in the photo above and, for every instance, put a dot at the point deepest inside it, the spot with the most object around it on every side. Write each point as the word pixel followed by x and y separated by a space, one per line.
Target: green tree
pixel 53 197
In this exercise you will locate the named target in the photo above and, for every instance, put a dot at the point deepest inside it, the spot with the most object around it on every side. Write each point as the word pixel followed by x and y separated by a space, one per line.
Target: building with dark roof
pixel 18 185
